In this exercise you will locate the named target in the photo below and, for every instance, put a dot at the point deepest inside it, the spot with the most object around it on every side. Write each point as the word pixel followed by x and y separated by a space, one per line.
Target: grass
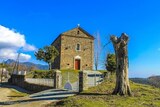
pixel 73 75
pixel 14 94
pixel 102 71
pixel 18 93
pixel 40 74
pixel 100 96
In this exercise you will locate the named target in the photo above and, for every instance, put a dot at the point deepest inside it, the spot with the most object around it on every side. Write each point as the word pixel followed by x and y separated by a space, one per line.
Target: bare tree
pixel 1 75
pixel 97 50
pixel 2 71
pixel 122 82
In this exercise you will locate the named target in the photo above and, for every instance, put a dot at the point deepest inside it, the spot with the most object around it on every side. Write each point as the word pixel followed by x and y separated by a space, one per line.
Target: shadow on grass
pixel 7 85
pixel 26 101
pixel 90 94
pixel 15 96
pixel 62 102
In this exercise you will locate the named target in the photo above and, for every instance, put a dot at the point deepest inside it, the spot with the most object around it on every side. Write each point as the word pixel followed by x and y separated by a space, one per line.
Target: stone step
pixel 53 93
pixel 50 90
pixel 56 97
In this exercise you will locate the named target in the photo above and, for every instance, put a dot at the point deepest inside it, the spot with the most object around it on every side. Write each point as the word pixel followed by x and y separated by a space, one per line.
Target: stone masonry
pixel 76 48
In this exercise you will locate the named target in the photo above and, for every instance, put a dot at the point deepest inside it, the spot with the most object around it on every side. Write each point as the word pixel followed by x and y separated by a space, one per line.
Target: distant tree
pixel 22 67
pixel 3 71
pixel 97 50
pixel 111 63
pixel 47 54
pixel 32 68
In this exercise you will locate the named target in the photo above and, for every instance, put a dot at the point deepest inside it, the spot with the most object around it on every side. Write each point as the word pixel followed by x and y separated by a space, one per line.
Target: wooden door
pixel 77 64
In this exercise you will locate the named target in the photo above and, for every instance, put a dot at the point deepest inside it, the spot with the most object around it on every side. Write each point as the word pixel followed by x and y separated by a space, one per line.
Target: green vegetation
pixel 72 74
pixel 9 68
pixel 111 63
pixel 14 94
pixel 47 54
pixel 102 71
pixel 40 74
pixel 153 80
pixel 18 93
pixel 100 96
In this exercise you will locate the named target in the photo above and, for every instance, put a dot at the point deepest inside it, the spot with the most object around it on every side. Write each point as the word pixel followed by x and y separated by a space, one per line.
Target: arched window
pixel 78 48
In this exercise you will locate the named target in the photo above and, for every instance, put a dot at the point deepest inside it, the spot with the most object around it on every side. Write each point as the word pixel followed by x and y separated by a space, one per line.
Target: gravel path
pixel 10 97
pixel 7 98
pixel 4 93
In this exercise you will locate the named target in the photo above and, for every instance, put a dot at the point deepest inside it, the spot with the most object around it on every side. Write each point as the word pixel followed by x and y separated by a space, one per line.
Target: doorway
pixel 77 64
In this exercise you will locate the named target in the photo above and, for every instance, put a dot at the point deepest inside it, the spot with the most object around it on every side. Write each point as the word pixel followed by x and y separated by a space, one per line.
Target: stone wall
pixel 83 81
pixel 68 55
pixel 34 87
pixel 57 79
pixel 68 41
pixel 19 80
pixel 57 45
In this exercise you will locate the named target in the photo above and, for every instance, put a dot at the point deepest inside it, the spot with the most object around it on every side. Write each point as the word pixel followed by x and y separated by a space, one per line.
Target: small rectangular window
pixel 78 47
pixel 77 32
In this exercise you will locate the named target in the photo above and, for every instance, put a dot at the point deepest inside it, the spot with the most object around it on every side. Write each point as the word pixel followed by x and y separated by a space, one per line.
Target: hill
pixel 27 64
pixel 153 80
pixel 100 96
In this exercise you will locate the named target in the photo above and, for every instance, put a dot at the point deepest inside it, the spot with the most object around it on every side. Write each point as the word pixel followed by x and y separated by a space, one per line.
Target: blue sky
pixel 41 21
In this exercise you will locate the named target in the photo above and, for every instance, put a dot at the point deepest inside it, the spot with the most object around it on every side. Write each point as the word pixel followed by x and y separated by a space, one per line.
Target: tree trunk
pixel 122 82
pixel 50 65
pixel 2 74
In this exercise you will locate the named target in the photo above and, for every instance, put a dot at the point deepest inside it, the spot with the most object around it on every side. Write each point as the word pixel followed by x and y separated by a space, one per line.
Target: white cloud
pixel 24 57
pixel 12 54
pixel 29 47
pixel 10 42
pixel 10 38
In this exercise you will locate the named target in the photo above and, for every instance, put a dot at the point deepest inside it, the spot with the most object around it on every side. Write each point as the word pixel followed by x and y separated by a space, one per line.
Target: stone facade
pixel 76 48
pixel 57 44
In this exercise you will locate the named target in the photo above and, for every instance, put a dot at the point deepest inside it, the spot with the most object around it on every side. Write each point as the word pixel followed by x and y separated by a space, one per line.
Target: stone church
pixel 76 50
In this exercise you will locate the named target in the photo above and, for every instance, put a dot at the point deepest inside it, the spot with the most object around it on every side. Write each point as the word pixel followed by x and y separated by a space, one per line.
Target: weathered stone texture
pixel 68 53
pixel 57 79
pixel 57 44
pixel 83 81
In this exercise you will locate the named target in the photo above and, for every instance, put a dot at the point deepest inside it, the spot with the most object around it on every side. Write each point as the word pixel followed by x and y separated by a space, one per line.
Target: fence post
pixel 17 79
pixel 106 75
pixel 95 81
pixel 98 79
pixel 83 81
pixel 57 79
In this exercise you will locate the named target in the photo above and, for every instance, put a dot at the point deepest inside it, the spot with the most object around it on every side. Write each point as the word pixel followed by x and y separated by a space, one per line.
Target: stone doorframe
pixel 77 58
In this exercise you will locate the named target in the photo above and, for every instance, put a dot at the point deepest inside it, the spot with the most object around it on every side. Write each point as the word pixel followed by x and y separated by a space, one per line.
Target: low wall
pixel 19 80
pixel 34 87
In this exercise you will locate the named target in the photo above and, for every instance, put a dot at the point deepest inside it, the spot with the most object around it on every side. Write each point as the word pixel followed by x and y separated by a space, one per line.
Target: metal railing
pixel 95 79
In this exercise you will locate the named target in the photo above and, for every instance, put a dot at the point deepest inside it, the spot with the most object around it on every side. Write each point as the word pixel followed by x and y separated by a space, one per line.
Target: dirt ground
pixel 8 95
pixel 30 104
pixel 4 93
